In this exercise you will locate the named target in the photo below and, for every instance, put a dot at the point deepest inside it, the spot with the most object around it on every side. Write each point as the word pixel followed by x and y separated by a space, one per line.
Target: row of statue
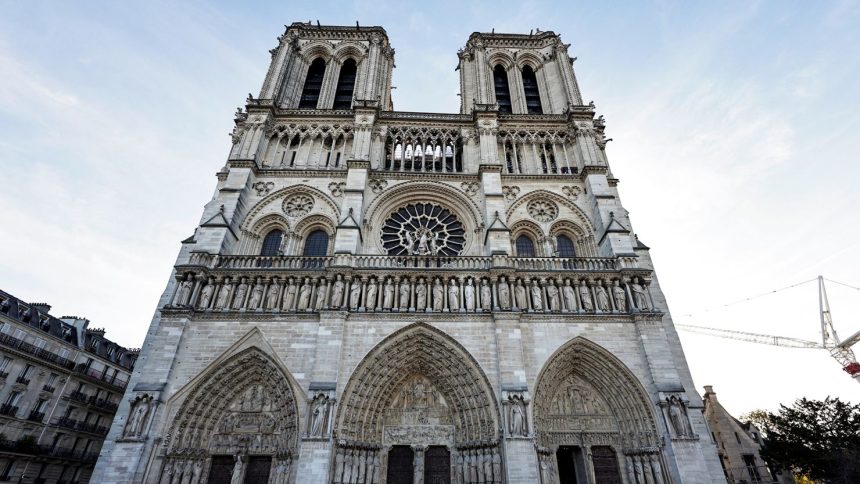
pixel 478 465
pixel 356 465
pixel 467 294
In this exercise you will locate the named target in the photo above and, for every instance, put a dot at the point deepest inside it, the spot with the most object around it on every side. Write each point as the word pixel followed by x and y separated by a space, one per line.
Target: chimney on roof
pixel 44 308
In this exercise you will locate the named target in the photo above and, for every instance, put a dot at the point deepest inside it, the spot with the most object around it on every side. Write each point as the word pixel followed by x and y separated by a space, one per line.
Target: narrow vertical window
pixel 525 246
pixel 565 246
pixel 313 85
pixel 316 244
pixel 345 85
pixel 530 88
pixel 272 243
pixel 503 91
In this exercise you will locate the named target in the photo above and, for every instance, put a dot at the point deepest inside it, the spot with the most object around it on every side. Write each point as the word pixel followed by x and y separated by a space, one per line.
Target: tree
pixel 815 438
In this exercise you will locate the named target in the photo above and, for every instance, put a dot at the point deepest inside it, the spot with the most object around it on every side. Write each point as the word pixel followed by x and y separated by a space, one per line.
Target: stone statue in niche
pixel 241 292
pixel 569 295
pixel 585 297
pixel 224 295
pixel 420 295
pixel 517 420
pixel 206 295
pixel 504 294
pixel 305 295
pixel 256 295
pixel 388 294
pixel 453 296
pixel 486 296
pixel 469 295
pixel 678 417
pixel 404 293
pixel 355 294
pixel 438 295
pixel 619 296
pixel 290 295
pixel 601 297
pixel 337 292
pixel 372 289
pixel 138 416
pixel 272 294
pixel 552 296
pixel 185 291
pixel 520 295
pixel 537 296
pixel 319 410
pixel 321 291
pixel 640 297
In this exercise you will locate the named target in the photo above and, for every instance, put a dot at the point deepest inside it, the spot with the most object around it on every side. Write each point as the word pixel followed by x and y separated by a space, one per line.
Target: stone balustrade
pixel 368 283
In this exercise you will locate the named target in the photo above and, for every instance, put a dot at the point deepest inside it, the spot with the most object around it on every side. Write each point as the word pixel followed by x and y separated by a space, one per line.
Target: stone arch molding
pixel 466 210
pixel 269 213
pixel 570 220
pixel 244 403
pixel 426 352
pixel 612 407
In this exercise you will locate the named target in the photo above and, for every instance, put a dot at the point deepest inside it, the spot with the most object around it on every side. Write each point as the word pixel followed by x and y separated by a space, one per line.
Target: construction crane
pixel 839 350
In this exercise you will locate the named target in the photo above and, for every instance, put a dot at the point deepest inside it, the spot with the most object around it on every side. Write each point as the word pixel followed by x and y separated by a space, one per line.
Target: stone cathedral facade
pixel 377 296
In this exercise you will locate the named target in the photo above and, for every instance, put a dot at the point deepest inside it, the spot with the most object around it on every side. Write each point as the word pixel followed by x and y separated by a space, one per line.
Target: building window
pixel 7 470
pixel 313 85
pixel 503 90
pixel 565 246
pixel 4 364
pixel 752 468
pixel 272 243
pixel 345 85
pixel 525 246
pixel 316 244
pixel 530 88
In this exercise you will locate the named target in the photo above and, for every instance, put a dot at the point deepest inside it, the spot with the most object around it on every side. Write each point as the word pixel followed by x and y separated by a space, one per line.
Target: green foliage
pixel 818 439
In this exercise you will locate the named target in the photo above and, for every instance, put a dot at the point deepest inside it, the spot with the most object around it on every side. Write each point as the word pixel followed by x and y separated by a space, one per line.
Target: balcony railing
pixel 48 388
pixel 31 448
pixel 7 409
pixel 100 376
pixel 23 380
pixel 67 422
pixel 20 345
pixel 36 416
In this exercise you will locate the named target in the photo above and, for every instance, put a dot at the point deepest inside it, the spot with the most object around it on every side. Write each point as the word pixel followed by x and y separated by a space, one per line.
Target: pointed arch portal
pixel 593 417
pixel 244 406
pixel 418 388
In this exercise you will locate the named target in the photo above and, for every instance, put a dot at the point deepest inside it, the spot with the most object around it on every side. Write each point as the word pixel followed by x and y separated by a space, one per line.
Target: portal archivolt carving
pixel 243 407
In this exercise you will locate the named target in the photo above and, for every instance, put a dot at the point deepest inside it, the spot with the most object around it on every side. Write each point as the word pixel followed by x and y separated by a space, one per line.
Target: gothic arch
pixel 317 48
pixel 466 210
pixel 581 219
pixel 530 230
pixel 621 414
pixel 526 58
pixel 501 57
pixel 272 204
pixel 349 49
pixel 242 403
pixel 427 351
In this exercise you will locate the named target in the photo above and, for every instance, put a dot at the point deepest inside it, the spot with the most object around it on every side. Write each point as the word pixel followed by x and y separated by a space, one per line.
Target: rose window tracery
pixel 298 205
pixel 543 210
pixel 423 229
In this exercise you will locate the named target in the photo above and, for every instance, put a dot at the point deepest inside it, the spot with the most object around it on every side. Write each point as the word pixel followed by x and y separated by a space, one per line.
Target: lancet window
pixel 272 243
pixel 313 85
pixel 503 91
pixel 345 85
pixel 525 246
pixel 531 91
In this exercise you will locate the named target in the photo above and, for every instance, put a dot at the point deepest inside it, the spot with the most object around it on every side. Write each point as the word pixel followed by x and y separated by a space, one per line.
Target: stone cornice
pixel 299 173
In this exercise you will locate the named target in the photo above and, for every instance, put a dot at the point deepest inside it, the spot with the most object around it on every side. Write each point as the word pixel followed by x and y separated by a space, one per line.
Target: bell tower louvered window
pixel 530 88
pixel 503 91
pixel 313 85
pixel 345 85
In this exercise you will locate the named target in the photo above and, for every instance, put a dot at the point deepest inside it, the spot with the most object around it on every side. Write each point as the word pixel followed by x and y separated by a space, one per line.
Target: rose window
pixel 543 210
pixel 298 205
pixel 423 229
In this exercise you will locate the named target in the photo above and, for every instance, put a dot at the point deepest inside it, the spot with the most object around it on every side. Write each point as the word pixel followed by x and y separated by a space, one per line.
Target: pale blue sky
pixel 735 132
